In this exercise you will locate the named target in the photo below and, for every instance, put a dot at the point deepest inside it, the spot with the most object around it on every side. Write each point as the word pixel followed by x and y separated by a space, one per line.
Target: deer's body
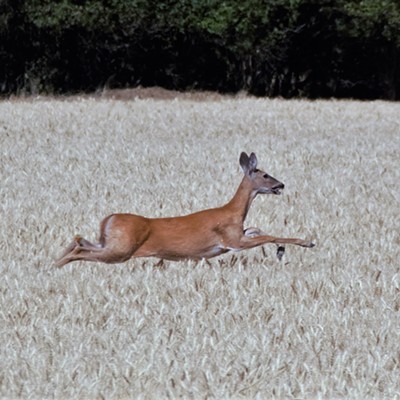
pixel 204 234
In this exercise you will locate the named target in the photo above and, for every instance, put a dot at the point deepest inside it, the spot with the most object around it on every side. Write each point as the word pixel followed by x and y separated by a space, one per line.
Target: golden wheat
pixel 322 323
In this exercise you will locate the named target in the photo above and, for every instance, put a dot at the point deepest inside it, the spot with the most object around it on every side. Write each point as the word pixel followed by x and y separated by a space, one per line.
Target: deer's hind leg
pixel 81 249
pixel 120 236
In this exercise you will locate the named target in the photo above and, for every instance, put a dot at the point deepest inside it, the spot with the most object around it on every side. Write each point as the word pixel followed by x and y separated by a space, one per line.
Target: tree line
pixel 288 48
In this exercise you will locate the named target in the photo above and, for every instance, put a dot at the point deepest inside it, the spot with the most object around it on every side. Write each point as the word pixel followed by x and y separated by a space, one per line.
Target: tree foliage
pixel 290 48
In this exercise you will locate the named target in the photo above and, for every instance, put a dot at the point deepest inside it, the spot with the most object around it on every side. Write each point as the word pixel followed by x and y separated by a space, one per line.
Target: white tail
pixel 204 234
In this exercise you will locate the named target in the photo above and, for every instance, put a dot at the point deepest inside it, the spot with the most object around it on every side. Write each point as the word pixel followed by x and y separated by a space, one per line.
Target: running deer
pixel 201 235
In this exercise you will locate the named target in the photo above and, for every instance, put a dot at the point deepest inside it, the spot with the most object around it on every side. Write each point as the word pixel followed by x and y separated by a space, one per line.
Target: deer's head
pixel 261 182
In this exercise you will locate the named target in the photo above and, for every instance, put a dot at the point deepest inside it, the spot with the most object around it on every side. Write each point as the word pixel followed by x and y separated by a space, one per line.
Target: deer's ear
pixel 248 164
pixel 253 162
pixel 244 162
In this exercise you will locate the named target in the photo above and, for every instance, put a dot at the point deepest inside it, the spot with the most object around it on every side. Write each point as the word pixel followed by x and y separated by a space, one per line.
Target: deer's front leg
pixel 250 240
pixel 254 232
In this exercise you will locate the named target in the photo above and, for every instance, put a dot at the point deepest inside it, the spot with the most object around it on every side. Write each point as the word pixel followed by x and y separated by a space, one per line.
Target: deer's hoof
pixel 280 252
pixel 77 239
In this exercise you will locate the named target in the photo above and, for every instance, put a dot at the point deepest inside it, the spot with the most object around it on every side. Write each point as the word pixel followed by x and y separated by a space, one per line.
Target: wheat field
pixel 322 323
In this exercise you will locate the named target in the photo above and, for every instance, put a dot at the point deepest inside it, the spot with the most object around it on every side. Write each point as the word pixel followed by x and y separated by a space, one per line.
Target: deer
pixel 201 235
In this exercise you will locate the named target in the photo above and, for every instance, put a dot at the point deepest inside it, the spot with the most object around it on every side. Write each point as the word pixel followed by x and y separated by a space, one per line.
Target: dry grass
pixel 323 323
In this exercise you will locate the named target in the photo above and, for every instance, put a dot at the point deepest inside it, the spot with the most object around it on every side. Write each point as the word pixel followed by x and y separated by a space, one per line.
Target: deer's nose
pixel 279 186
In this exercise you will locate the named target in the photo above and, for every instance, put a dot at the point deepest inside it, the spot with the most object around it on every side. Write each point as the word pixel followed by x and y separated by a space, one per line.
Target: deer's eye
pixel 266 176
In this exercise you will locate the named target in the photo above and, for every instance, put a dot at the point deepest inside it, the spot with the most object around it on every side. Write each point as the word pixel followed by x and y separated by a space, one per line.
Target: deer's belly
pixel 180 254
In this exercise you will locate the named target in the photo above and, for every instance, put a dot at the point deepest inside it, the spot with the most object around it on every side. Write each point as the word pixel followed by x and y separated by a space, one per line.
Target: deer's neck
pixel 242 200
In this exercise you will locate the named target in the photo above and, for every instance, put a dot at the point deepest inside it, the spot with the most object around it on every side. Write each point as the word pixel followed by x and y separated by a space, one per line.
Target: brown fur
pixel 204 234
